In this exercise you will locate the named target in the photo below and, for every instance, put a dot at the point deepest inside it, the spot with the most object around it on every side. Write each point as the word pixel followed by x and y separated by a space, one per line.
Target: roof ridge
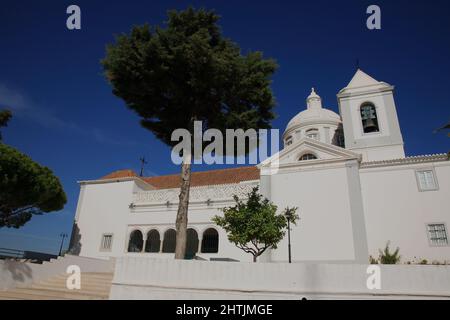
pixel 203 171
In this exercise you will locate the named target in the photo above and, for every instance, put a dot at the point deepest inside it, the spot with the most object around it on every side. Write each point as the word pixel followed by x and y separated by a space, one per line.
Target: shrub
pixel 388 257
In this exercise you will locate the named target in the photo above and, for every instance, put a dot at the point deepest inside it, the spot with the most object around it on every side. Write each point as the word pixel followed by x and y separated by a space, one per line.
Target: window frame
pixel 419 186
pixel 147 242
pixel 307 153
pixel 164 238
pixel 129 239
pixel 202 244
pixel 288 141
pixel 430 242
pixel 315 131
pixel 102 249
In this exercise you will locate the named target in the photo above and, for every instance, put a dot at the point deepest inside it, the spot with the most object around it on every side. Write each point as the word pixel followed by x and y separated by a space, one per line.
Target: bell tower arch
pixel 369 118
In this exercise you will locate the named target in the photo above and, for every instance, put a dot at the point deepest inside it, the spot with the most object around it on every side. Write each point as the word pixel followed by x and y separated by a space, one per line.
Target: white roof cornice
pixel 336 151
pixel 407 160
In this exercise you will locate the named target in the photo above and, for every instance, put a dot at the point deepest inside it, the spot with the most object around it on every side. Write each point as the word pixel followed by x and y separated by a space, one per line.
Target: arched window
pixel 312 134
pixel 210 241
pixel 288 141
pixel 170 239
pixel 153 243
pixel 369 118
pixel 191 244
pixel 307 156
pixel 136 241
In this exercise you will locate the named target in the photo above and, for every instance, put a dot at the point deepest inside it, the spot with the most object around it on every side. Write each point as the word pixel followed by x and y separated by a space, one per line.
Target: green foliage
pixel 5 116
pixel 189 71
pixel 291 215
pixel 26 188
pixel 253 225
pixel 388 257
pixel 373 260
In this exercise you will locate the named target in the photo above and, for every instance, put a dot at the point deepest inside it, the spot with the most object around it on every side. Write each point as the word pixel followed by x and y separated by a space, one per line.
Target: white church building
pixel 347 173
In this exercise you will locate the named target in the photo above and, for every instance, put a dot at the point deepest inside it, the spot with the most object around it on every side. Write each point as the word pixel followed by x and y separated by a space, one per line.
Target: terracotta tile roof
pixel 200 178
pixel 120 174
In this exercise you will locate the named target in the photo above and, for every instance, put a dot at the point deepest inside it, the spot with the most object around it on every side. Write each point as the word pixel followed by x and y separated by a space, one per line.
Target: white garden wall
pixel 22 274
pixel 145 278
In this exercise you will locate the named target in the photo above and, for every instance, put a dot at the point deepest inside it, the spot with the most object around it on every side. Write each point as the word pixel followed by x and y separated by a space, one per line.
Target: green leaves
pixel 26 188
pixel 189 70
pixel 5 116
pixel 253 225
pixel 388 257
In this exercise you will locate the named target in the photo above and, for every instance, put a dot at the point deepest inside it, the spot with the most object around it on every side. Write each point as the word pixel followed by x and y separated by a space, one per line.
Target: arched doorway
pixel 169 242
pixel 191 244
pixel 210 241
pixel 153 243
pixel 136 241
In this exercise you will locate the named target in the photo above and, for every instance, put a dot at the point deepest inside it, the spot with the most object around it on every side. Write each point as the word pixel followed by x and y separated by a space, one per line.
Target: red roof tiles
pixel 200 178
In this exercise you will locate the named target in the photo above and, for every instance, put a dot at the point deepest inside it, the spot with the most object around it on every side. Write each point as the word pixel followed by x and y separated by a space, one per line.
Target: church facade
pixel 347 173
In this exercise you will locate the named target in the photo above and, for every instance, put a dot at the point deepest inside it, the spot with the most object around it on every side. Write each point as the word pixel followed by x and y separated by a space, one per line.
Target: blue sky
pixel 67 118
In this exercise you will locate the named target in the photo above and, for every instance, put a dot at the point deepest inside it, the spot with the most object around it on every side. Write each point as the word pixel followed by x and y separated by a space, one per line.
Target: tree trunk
pixel 182 214
pixel 254 258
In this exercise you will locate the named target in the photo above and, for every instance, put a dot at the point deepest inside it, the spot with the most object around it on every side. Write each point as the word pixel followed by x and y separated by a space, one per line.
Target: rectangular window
pixel 426 180
pixel 106 242
pixel 437 234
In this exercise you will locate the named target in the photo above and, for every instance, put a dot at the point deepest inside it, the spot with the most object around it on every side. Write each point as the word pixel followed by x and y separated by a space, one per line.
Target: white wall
pixel 22 274
pixel 396 210
pixel 324 232
pixel 143 278
pixel 103 208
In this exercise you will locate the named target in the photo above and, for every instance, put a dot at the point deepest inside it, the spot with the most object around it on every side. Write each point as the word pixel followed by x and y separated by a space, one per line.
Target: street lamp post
pixel 63 236
pixel 291 217
pixel 289 237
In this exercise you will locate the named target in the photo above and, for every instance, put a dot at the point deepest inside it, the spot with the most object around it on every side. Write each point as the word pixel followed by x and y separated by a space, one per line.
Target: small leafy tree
pixel 388 257
pixel 186 72
pixel 254 226
pixel 26 188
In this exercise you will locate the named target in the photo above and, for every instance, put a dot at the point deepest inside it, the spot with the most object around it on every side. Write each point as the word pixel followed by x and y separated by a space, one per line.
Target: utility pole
pixel 143 163
pixel 63 236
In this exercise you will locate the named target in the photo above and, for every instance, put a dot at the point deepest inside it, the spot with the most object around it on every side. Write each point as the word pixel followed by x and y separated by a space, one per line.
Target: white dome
pixel 314 123
pixel 314 114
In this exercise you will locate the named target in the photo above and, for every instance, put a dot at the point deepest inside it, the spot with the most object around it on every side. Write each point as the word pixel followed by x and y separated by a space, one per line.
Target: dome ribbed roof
pixel 314 114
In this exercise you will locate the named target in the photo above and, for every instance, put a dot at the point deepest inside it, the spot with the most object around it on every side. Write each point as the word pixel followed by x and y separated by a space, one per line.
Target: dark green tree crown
pixel 26 188
pixel 189 71
pixel 5 116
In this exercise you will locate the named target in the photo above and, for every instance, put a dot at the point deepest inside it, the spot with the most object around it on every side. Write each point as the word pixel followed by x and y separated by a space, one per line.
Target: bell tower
pixel 369 118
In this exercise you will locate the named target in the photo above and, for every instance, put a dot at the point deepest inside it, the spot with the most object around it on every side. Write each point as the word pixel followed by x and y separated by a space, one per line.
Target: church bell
pixel 370 125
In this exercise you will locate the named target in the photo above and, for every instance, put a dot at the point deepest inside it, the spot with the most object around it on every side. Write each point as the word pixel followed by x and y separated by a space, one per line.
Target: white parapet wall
pixel 22 274
pixel 147 278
